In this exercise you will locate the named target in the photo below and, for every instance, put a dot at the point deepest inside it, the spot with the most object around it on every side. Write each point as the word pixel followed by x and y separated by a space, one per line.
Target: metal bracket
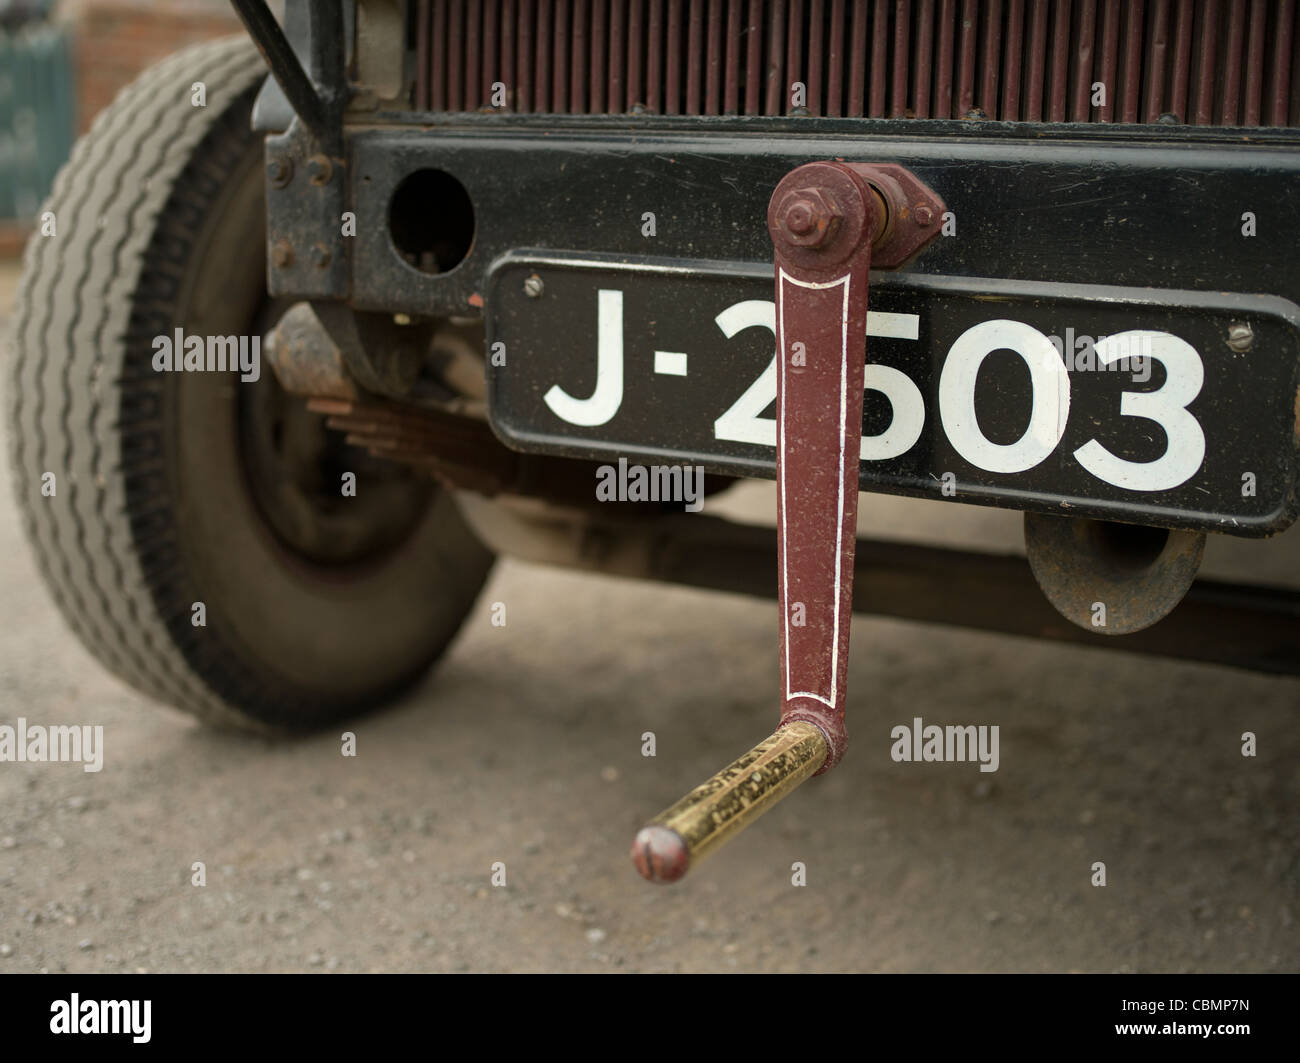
pixel 307 254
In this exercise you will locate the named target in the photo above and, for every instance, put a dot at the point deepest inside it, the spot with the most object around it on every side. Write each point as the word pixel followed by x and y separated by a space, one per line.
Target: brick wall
pixel 116 39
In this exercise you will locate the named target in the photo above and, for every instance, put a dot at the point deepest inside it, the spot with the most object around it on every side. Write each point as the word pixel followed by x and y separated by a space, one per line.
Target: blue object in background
pixel 37 115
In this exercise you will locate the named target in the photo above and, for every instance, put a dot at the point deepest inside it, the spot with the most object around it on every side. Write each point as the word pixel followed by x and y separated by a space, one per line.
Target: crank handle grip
pixel 683 835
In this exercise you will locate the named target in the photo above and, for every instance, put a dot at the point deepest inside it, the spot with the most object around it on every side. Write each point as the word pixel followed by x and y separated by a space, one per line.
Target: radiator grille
pixel 1204 62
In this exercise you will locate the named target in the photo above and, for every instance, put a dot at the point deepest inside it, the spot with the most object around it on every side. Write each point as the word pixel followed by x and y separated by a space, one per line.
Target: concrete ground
pixel 524 748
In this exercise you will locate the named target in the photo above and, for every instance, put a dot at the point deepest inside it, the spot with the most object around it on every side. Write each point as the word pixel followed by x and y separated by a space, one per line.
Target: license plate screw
pixel 533 286
pixel 1241 337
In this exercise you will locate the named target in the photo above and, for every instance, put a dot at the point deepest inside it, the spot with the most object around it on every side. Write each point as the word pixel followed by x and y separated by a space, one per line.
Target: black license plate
pixel 1173 408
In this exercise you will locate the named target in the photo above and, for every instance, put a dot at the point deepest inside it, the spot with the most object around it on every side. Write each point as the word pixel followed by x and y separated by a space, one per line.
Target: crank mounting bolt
pixel 809 217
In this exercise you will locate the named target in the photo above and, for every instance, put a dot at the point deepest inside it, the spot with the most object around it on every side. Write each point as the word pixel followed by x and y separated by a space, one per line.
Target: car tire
pixel 191 569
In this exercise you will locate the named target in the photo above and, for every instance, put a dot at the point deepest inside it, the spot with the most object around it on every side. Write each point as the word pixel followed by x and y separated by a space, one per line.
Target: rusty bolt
pixel 809 217
pixel 533 286
pixel 1241 337
pixel 280 171
pixel 319 170
pixel 282 255
pixel 799 217
pixel 320 256
pixel 922 215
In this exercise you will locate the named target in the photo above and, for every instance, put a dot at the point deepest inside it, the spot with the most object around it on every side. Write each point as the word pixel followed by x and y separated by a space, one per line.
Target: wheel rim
pixel 295 467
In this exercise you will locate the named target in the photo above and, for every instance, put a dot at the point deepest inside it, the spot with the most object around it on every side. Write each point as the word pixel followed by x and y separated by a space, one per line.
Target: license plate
pixel 1171 408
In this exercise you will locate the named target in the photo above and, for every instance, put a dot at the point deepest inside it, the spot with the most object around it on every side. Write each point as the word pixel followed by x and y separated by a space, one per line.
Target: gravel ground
pixel 524 748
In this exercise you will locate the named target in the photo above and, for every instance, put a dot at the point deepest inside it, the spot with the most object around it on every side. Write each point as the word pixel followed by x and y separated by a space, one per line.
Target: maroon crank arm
pixel 829 223
pixel 822 220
